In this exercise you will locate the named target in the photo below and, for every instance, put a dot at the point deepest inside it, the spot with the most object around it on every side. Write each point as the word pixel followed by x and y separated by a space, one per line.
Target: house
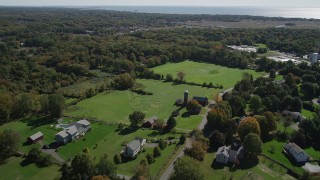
pixel 82 126
pixel 133 148
pixel 201 100
pixel 150 122
pixel 296 152
pixel 35 137
pixel 62 137
pixel 73 131
pixel 222 155
pixel 295 115
pixel 229 154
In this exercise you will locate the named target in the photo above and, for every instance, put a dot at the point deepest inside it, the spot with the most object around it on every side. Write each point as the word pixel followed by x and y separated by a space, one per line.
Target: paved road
pixel 54 154
pixel 151 145
pixel 167 173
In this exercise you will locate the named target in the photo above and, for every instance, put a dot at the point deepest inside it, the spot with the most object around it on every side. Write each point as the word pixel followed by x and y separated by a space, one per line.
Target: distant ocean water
pixel 239 10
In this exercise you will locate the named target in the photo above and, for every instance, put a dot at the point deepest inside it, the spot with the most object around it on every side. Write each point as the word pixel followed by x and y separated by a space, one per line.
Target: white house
pixel 296 152
pixel 134 147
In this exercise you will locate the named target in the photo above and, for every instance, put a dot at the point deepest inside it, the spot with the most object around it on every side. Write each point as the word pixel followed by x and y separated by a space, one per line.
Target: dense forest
pixel 44 50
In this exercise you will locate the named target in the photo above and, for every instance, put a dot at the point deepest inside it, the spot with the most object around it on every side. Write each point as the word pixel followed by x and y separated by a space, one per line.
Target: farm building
pixel 150 122
pixel 201 100
pixel 35 137
pixel 296 152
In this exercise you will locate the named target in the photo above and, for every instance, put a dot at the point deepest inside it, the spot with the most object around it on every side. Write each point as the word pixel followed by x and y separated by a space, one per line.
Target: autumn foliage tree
pixel 216 118
pixel 198 150
pixel 248 125
pixel 194 107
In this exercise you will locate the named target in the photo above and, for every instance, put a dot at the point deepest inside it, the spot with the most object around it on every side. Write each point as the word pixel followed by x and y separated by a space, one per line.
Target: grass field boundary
pixel 289 170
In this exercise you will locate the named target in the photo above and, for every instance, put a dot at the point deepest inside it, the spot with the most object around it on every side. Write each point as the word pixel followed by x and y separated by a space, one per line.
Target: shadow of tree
pixel 186 114
pixel 216 165
pixel 36 121
pixel 127 131
pixel 248 162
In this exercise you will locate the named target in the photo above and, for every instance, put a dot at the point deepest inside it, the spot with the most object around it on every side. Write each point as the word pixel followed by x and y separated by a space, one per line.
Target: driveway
pixel 54 154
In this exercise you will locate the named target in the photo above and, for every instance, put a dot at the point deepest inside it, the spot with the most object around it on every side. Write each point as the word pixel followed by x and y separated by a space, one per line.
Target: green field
pixel 203 72
pixel 25 129
pixel 13 170
pixel 115 106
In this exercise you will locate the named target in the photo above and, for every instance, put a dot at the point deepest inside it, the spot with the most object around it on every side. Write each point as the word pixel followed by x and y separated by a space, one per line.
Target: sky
pixel 277 3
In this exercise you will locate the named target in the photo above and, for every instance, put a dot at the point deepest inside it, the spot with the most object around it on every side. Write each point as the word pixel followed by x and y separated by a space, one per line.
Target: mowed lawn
pixel 26 130
pixel 13 170
pixel 259 172
pixel 104 139
pixel 115 106
pixel 203 72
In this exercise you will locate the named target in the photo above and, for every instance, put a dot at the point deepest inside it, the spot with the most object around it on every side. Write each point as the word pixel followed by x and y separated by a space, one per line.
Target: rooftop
pixel 63 134
pixel 84 122
pixel 72 130
pixel 36 136
pixel 134 144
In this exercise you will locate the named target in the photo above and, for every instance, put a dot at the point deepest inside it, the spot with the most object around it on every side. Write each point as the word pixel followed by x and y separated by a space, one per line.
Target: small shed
pixel 35 137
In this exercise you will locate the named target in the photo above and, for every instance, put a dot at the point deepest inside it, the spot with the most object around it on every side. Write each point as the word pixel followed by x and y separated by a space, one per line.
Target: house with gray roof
pixel 226 155
pixel 299 155
pixel 73 131
pixel 222 155
pixel 133 148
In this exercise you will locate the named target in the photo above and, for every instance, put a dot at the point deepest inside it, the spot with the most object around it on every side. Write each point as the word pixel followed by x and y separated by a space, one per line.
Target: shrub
pixel 117 159
pixel 156 151
pixel 150 158
pixel 162 144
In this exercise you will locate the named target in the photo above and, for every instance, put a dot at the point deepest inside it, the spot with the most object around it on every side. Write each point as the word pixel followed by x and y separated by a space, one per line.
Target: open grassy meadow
pixel 203 72
pixel 115 106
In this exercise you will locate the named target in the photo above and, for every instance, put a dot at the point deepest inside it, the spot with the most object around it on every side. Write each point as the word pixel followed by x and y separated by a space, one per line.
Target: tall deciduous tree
pixel 9 143
pixel 181 76
pixel 136 118
pixel 255 103
pixel 171 123
pixel 252 144
pixel 248 125
pixel 194 107
pixel 106 167
pixel 197 151
pixel 56 103
pixel 216 118
pixel 187 168
pixel 82 165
